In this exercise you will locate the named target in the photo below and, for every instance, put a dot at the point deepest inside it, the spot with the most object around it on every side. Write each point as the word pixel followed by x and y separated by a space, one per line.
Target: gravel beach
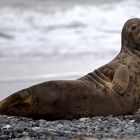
pixel 16 128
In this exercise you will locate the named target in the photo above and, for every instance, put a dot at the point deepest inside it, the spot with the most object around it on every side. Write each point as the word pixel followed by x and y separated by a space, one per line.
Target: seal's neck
pixel 129 48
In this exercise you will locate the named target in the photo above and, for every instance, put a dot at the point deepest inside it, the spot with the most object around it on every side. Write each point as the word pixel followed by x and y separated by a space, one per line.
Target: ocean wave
pixel 41 77
pixel 79 30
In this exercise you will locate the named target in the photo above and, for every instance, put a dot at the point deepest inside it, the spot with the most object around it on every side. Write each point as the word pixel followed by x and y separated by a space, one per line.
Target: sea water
pixel 43 40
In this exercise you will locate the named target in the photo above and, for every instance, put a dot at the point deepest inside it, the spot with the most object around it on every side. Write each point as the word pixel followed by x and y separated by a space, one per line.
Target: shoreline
pixel 16 75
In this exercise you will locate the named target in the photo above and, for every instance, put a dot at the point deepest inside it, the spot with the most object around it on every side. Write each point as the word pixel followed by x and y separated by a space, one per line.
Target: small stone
pixel 83 119
pixel 6 126
pixel 60 138
pixel 43 136
pixel 4 137
pixel 59 126
pixel 19 135
pixel 25 134
pixel 137 119
pixel 132 121
pixel 130 130
pixel 19 129
pixel 35 128
pixel 47 131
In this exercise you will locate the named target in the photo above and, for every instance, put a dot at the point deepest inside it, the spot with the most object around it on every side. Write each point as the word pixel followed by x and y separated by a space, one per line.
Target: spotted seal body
pixel 111 89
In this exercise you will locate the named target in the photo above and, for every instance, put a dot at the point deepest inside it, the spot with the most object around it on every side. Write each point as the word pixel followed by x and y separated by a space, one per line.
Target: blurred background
pixel 44 40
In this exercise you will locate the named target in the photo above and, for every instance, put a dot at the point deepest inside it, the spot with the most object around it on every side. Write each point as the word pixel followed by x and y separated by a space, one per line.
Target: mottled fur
pixel 111 89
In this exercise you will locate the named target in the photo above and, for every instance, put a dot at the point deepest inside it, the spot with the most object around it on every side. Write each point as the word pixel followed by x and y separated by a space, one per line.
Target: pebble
pixel 19 129
pixel 25 133
pixel 98 127
pixel 4 137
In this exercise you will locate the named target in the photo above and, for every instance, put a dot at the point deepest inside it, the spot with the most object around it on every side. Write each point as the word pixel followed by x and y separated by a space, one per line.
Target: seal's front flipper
pixel 120 79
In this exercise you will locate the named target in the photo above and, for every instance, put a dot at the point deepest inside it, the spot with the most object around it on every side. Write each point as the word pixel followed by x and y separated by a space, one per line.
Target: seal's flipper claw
pixel 120 79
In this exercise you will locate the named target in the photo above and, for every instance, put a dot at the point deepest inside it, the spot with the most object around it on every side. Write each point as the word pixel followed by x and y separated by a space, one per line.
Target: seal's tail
pixel 16 104
pixel 1 106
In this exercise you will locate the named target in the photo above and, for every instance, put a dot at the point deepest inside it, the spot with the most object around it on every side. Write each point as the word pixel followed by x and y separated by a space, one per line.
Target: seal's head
pixel 131 34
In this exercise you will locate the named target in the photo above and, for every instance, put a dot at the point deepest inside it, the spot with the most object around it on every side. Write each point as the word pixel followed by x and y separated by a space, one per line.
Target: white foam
pixel 79 30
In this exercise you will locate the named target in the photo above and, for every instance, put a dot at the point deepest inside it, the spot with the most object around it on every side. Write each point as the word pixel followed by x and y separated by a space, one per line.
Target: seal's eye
pixel 133 27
